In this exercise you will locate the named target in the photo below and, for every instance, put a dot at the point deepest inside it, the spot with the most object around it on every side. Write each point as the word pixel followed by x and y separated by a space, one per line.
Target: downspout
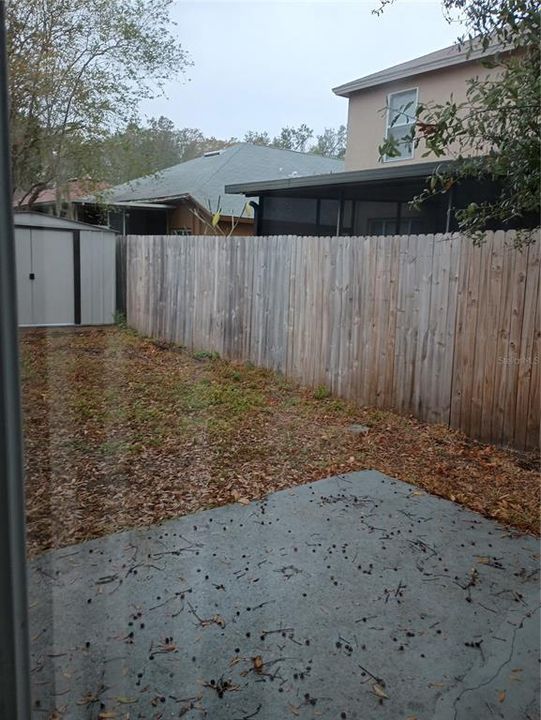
pixel 255 208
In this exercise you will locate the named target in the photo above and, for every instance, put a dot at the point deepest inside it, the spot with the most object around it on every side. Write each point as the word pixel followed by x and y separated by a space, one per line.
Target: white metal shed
pixel 65 271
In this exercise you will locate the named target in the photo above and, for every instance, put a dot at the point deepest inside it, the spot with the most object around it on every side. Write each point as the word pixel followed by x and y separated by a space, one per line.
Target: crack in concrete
pixel 499 669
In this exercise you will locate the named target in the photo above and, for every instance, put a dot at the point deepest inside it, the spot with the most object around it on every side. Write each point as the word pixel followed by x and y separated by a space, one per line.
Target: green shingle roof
pixel 205 177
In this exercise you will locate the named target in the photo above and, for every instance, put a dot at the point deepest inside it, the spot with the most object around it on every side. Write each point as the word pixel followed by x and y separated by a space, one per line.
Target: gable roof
pixel 446 57
pixel 205 177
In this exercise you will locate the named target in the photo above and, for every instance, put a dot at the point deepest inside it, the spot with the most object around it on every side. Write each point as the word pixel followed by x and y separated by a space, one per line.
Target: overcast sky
pixel 263 64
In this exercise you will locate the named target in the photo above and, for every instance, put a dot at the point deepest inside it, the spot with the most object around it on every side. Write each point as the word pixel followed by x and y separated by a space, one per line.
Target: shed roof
pixel 204 178
pixel 446 57
pixel 43 220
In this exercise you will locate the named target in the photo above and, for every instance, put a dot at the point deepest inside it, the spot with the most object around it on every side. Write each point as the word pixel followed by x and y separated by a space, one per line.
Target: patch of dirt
pixel 122 432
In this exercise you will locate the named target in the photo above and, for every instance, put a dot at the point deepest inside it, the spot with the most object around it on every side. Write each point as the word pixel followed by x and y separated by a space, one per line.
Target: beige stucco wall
pixel 367 115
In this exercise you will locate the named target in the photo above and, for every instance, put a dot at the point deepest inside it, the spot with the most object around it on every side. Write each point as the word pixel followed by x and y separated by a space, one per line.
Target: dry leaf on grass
pixel 237 497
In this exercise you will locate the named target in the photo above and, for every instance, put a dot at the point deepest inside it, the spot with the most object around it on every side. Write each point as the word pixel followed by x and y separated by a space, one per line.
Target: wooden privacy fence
pixel 428 325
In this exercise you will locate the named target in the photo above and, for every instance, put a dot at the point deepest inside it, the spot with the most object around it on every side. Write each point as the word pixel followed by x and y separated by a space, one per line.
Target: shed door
pixel 23 252
pixel 52 286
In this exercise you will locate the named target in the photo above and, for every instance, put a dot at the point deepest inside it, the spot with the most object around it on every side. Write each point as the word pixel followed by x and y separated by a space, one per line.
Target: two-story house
pixel 372 196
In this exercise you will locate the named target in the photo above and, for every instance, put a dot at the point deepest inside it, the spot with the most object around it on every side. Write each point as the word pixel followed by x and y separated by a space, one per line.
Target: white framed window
pixel 401 117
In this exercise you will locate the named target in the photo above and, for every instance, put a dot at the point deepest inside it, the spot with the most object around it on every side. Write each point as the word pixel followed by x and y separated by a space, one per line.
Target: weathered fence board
pixel 428 325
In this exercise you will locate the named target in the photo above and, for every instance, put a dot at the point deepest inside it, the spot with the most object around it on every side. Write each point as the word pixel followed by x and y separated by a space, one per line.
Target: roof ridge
pixel 289 150
pixel 220 167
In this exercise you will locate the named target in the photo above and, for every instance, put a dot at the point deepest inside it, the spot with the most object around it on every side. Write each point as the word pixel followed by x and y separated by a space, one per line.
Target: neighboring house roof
pixel 352 177
pixel 204 178
pixel 452 55
pixel 72 190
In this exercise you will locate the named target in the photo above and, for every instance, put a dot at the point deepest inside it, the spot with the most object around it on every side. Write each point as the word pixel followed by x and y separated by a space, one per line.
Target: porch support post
pixel 449 209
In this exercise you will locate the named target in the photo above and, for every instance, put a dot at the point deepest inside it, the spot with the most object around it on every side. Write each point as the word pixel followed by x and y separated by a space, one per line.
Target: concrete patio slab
pixel 358 596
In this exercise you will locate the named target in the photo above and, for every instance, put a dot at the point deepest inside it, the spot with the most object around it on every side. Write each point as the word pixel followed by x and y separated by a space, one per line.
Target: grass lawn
pixel 121 431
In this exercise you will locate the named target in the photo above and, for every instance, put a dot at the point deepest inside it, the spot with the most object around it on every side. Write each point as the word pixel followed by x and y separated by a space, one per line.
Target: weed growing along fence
pixel 428 325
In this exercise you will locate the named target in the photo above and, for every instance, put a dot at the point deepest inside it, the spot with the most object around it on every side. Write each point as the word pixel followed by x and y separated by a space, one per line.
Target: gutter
pixel 353 177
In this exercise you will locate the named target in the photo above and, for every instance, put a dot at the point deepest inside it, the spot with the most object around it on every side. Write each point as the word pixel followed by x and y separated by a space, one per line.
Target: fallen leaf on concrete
pixel 166 647
pixel 379 691
pixel 257 662
pixel 501 696
pixel 216 620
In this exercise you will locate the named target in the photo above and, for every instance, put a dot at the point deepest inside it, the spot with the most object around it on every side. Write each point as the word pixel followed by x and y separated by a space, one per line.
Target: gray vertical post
pixel 449 209
pixel 14 664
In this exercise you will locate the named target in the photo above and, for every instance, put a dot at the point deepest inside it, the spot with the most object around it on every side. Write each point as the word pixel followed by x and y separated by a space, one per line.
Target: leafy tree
pixel 495 133
pixel 292 138
pixel 257 138
pixel 331 143
pixel 137 150
pixel 77 69
pixel 194 144
pixel 134 151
